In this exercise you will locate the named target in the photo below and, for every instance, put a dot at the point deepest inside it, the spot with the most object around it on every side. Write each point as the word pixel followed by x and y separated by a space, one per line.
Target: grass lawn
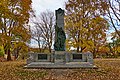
pixel 109 69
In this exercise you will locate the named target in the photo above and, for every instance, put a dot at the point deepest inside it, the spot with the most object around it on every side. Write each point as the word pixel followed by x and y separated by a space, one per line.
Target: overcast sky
pixel 42 5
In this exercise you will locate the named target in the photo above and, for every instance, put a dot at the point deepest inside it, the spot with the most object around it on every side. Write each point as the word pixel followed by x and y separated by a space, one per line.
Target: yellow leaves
pixel 21 33
pixel 99 23
pixel 90 43
pixel 14 16
pixel 83 35
pixel 84 30
pixel 68 45
pixel 5 38
pixel 22 45
pixel 104 49
pixel 1 51
pixel 118 49
pixel 109 69
pixel 83 25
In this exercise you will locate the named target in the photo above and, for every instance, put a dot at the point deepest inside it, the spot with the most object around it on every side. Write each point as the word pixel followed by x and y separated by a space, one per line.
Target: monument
pixel 60 58
pixel 59 31
pixel 60 37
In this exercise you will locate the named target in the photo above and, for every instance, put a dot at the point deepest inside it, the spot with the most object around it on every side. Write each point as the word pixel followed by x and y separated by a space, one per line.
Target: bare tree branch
pixel 46 27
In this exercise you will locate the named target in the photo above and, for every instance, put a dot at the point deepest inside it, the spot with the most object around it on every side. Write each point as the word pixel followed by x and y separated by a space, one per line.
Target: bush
pixel 1 51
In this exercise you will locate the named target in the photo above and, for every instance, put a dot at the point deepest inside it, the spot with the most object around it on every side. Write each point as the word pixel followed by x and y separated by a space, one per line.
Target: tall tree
pixel 81 15
pixel 44 32
pixel 14 17
pixel 98 29
pixel 115 44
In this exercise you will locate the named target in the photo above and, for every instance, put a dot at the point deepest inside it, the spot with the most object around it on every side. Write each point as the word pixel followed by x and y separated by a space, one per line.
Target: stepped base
pixel 70 65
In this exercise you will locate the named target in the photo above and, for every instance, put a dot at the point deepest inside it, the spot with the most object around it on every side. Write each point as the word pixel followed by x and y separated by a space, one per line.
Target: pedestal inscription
pixel 42 57
pixel 77 56
pixel 60 56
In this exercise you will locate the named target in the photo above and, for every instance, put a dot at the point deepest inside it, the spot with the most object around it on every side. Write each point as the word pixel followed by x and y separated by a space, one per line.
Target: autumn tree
pixel 84 24
pixel 44 30
pixel 98 29
pixel 115 44
pixel 14 17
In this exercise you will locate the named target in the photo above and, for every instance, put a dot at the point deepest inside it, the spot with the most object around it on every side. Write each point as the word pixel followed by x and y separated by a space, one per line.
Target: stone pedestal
pixel 89 57
pixel 32 58
pixel 59 57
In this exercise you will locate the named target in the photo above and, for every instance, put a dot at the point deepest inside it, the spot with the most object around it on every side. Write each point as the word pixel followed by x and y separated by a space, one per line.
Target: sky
pixel 43 5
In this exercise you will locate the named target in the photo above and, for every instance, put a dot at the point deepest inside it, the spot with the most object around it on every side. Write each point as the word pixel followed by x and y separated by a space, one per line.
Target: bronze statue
pixel 60 41
pixel 59 32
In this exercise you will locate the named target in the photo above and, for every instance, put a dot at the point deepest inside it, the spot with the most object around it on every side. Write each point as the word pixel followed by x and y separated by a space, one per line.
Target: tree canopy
pixel 84 25
pixel 14 17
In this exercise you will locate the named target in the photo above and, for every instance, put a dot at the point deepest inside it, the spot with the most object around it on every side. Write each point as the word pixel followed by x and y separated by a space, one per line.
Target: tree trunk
pixel 94 53
pixel 5 51
pixel 8 55
pixel 49 46
pixel 39 46
pixel 78 49
pixel 16 53
pixel 82 49
pixel 50 49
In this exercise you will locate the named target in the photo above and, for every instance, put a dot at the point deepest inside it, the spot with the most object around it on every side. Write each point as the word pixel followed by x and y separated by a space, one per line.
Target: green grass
pixel 109 69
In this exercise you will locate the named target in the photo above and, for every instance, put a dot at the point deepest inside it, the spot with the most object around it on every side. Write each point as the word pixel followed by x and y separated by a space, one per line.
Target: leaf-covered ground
pixel 109 69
